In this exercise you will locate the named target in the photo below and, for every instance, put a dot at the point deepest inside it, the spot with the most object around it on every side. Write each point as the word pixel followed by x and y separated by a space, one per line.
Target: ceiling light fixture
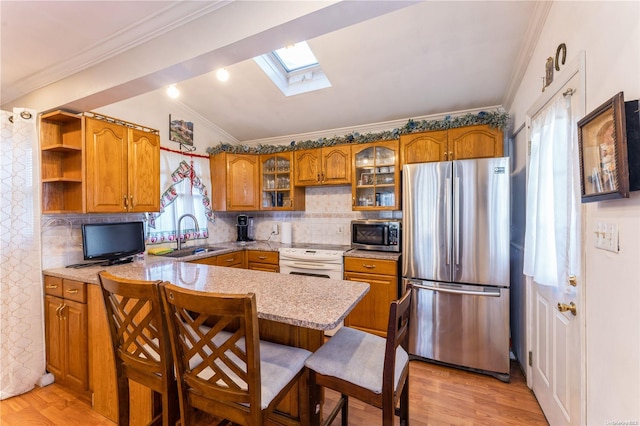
pixel 172 91
pixel 222 74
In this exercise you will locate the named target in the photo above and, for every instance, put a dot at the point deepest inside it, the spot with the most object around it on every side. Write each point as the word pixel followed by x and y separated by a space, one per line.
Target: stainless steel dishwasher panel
pixel 463 325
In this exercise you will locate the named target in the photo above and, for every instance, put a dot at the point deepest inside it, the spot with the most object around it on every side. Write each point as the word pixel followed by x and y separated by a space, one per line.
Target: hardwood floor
pixel 438 396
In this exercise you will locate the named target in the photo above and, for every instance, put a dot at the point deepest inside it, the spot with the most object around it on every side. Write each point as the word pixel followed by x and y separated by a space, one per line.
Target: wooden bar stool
pixel 222 366
pixel 140 342
pixel 367 367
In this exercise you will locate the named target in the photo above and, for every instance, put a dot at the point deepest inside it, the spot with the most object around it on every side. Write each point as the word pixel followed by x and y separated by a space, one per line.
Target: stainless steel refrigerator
pixel 456 257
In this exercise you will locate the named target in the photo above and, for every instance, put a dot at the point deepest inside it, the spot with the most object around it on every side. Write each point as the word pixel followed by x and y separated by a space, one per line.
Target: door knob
pixel 563 307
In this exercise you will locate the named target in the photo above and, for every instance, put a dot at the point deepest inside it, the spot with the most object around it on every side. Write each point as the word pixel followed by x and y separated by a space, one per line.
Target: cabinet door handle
pixel 60 311
pixel 52 286
pixel 365 265
pixel 72 291
pixel 353 201
pixel 445 155
pixel 231 260
pixel 126 203
pixel 322 174
pixel 262 257
pixel 450 155
pixel 131 198
pixel 318 178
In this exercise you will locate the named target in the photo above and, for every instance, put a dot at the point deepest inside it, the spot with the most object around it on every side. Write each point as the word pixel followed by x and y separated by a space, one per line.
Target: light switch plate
pixel 607 236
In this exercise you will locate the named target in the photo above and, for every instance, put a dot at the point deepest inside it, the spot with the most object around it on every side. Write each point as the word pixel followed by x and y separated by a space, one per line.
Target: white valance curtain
pixel 186 181
pixel 22 355
pixel 553 217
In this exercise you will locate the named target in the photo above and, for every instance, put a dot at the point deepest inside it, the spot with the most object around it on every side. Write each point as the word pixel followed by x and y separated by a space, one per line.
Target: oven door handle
pixel 307 266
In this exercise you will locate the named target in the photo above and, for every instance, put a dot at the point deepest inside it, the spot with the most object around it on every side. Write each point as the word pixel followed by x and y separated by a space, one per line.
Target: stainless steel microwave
pixel 376 234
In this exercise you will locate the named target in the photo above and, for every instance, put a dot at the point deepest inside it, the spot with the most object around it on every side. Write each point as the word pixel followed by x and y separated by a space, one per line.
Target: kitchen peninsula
pixel 293 310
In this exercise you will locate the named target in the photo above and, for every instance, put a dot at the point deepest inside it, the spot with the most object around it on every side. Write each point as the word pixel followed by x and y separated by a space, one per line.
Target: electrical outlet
pixel 276 229
pixel 340 230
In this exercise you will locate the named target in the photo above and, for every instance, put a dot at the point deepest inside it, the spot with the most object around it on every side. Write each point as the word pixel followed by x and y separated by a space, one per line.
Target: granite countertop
pixel 311 302
pixel 368 254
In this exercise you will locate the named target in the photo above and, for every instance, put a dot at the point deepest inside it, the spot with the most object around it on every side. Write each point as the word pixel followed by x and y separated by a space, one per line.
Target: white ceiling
pixel 402 60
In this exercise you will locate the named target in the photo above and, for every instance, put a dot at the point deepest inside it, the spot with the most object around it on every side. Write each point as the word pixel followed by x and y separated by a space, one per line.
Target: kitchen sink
pixel 193 251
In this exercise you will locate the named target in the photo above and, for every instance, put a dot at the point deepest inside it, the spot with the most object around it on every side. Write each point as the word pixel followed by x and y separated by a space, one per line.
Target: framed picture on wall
pixel 602 140
pixel 181 131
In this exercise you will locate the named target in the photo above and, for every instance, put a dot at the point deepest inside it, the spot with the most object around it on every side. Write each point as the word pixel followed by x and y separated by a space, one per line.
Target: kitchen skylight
pixel 293 69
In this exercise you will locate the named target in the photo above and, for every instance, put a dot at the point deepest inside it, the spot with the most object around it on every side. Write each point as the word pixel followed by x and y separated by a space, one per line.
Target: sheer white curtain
pixel 553 217
pixel 185 180
pixel 22 357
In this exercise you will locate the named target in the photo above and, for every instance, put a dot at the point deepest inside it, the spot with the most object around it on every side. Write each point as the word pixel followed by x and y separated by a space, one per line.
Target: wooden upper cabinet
pixel 323 166
pixel 461 143
pixel 106 156
pixel 235 182
pixel 376 176
pixel 475 142
pixel 423 147
pixel 123 168
pixel 62 162
pixel 144 171
pixel 276 171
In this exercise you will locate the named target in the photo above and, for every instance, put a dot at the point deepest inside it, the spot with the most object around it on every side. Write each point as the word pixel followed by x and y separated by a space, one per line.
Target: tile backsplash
pixel 326 220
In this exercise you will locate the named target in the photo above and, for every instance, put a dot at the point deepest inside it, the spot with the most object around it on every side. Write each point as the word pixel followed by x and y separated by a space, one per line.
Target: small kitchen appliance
pixel 376 234
pixel 244 226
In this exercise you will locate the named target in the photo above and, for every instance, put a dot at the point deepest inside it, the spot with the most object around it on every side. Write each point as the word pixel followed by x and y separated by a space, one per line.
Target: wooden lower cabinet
pixel 66 332
pixel 260 260
pixel 236 259
pixel 372 313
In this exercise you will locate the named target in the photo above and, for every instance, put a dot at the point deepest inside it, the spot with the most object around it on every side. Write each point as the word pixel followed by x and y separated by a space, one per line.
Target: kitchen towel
pixel 285 233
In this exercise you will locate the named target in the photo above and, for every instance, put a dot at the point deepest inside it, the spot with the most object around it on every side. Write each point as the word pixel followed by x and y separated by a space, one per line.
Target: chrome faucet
pixel 180 233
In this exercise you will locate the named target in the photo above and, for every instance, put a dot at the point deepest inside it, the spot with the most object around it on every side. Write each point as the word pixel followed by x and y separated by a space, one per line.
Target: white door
pixel 557 362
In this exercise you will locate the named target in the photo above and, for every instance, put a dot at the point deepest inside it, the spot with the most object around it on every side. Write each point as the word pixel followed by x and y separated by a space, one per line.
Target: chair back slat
pixel 136 318
pixel 397 335
pixel 216 346
pixel 140 342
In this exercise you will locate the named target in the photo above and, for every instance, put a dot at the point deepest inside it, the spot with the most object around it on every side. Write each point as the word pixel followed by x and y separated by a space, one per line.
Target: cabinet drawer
pixel 53 286
pixel 74 290
pixel 371 266
pixel 231 259
pixel 260 256
pixel 211 260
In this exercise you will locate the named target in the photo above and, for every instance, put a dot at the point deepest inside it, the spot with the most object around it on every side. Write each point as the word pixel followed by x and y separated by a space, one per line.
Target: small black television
pixel 114 243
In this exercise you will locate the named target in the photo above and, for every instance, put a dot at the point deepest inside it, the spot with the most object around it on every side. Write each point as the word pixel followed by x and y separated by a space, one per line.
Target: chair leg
pixel 123 401
pixel 404 405
pixel 170 409
pixel 345 410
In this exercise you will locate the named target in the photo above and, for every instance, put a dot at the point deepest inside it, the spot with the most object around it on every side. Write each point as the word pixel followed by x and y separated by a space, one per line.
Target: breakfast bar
pixel 293 310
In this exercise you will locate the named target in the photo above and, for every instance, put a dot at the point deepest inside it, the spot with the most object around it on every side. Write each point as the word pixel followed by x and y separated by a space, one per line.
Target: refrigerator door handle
pixel 456 291
pixel 447 206
pixel 456 218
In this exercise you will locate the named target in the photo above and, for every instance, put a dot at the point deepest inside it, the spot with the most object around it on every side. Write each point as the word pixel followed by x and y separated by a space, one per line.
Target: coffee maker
pixel 245 227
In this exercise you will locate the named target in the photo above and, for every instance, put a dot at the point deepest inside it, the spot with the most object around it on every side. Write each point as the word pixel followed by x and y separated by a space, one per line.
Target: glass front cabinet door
pixel 278 192
pixel 376 174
